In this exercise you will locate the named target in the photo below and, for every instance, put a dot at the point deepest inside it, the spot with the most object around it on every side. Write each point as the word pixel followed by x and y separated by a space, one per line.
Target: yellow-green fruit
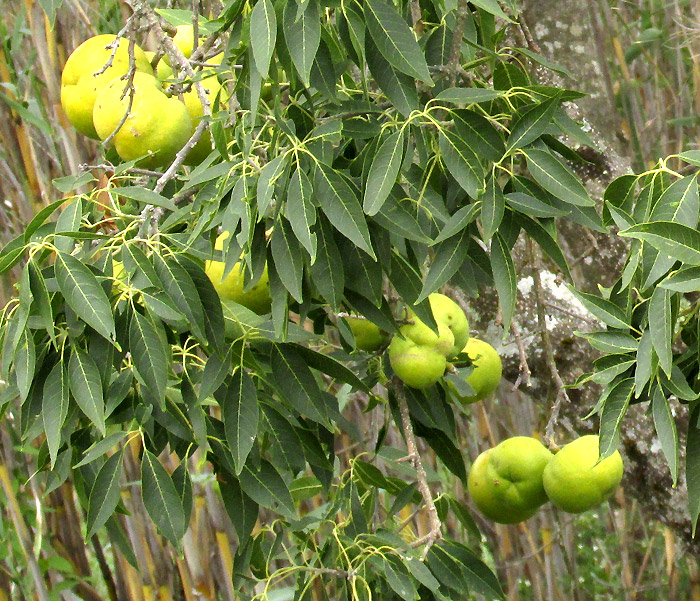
pixel 505 482
pixel 157 126
pixel 487 370
pixel 196 111
pixel 79 84
pixel 184 40
pixel 451 314
pixel 416 365
pixel 257 298
pixel 368 336
pixel 575 481
pixel 163 70
pixel 422 335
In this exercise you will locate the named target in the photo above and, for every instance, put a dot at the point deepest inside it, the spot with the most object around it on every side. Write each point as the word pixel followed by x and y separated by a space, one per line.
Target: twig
pixel 180 157
pixel 523 368
pixel 128 88
pixel 462 9
pixel 114 45
pixel 548 351
pixel 435 525
pixel 533 45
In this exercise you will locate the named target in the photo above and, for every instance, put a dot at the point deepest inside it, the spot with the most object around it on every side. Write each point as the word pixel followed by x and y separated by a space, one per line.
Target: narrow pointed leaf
pixel 84 294
pixel 54 407
pixel 86 387
pixel 678 241
pixel 383 172
pixel 266 487
pixel 395 40
pixel 301 212
pixel 302 35
pixel 263 34
pixel 150 356
pixel 161 499
pixel 241 415
pixel 105 494
pixel 661 327
pixel 504 278
pixel 550 173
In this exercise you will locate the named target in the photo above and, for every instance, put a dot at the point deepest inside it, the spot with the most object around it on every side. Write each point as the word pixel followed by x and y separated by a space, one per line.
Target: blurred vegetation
pixel 653 74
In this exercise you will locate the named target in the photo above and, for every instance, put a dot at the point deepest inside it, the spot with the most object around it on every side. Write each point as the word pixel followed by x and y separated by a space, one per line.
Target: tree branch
pixel 435 525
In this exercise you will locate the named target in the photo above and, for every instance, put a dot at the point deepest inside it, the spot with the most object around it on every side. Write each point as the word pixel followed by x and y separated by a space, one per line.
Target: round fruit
pixel 163 70
pixel 231 287
pixel 368 336
pixel 450 313
pixel 487 370
pixel 418 366
pixel 575 481
pixel 157 126
pixel 79 84
pixel 505 482
pixel 422 335
pixel 196 111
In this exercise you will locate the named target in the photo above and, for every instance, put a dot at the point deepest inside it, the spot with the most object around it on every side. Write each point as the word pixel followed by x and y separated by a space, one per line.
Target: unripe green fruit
pixel 505 482
pixel 487 372
pixel 575 481
pixel 450 313
pixel 416 365
pixel 418 355
pixel 368 336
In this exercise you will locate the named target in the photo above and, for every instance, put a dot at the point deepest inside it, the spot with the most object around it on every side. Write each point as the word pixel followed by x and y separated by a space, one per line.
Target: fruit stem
pixel 435 525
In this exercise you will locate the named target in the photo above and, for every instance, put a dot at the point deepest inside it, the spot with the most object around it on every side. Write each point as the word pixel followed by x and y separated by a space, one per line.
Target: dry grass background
pixel 614 553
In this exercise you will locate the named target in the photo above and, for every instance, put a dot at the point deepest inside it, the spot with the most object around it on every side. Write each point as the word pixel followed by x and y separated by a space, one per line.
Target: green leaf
pixel 684 280
pixel 399 578
pixel 665 425
pixel 534 207
pixel 301 212
pixel 54 407
pixel 692 467
pixel 25 363
pixel 449 257
pixel 86 387
pixel 674 239
pixel 37 221
pixel 105 494
pixel 395 40
pixel 327 272
pixel 550 173
pixel 150 355
pixel 302 35
pixel 331 367
pixel 457 222
pixel 461 162
pixel 532 123
pixel 546 241
pixel 468 95
pixel 100 448
pixel 492 7
pixel 613 411
pixel 296 383
pixel 240 414
pixel 288 258
pixel 340 203
pixel 214 374
pixel 493 206
pixel 84 294
pixel 504 278
pixel 606 311
pixel 267 179
pixel 161 499
pixel 41 298
pixel 267 488
pixel 241 509
pixel 148 196
pixel 678 385
pixel 459 569
pixel 610 342
pixel 478 132
pixel 399 88
pixel 179 286
pixel 263 34
pixel 643 370
pixel 287 450
pixel 383 172
pixel 661 327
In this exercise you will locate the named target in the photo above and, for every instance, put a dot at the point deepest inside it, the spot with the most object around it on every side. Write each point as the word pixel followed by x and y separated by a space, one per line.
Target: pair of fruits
pixel 418 355
pixel 157 126
pixel 511 481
